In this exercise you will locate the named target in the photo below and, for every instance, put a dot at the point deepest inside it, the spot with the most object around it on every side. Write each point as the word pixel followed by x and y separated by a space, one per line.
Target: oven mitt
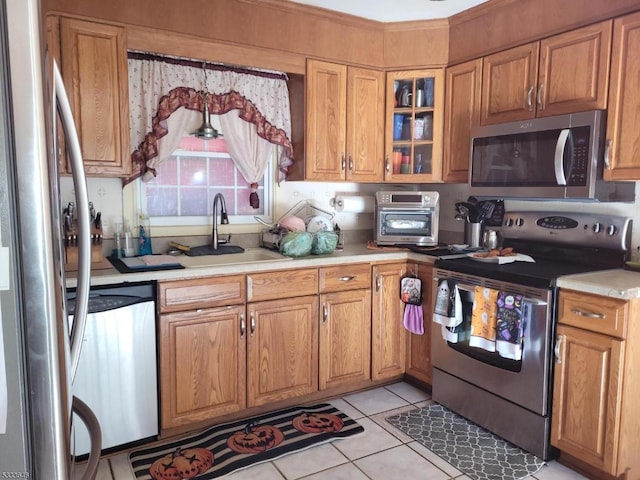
pixel 411 296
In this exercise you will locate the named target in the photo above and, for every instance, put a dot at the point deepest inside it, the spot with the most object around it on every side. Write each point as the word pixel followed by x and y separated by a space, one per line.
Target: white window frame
pixel 134 204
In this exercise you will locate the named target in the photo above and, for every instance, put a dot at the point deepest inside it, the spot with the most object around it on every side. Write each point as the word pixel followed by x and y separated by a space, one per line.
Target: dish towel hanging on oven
pixel 483 319
pixel 448 310
pixel 510 325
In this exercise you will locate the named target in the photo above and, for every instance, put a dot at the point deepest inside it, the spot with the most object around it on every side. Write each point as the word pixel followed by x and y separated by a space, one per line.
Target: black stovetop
pixel 551 262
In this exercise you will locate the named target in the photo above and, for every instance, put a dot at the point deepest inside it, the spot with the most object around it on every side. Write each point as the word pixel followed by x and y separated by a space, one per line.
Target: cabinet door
pixel 462 112
pixel 509 81
pixel 202 365
pixel 388 345
pixel 326 121
pixel 574 71
pixel 419 364
pixel 94 68
pixel 415 110
pixel 586 396
pixel 622 159
pixel 345 338
pixel 282 349
pixel 365 125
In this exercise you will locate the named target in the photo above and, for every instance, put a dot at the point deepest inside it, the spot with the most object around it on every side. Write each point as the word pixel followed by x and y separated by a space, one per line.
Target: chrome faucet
pixel 224 219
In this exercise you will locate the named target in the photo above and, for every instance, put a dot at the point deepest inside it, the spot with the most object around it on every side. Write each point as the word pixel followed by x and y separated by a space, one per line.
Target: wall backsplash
pixel 106 195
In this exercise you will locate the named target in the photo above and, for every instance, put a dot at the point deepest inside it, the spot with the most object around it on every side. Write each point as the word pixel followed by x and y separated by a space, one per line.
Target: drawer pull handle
pixel 243 326
pixel 580 313
pixel 347 278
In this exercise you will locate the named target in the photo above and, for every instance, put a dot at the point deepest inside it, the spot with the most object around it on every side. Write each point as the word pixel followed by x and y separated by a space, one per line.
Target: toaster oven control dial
pixel 597 227
pixel 612 230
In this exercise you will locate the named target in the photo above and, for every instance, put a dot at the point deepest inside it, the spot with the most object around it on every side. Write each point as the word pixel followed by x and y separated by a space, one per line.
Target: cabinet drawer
pixel 345 277
pixel 201 293
pixel 593 312
pixel 283 284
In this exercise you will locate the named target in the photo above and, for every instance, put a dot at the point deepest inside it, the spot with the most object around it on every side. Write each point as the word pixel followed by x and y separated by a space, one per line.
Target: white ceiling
pixel 396 10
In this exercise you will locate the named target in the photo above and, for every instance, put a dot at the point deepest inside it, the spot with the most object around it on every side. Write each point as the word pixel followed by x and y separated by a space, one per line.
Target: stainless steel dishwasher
pixel 116 374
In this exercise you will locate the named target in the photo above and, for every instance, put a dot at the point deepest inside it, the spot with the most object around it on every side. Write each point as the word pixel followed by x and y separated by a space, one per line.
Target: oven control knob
pixel 519 222
pixel 597 227
pixel 612 230
pixel 509 222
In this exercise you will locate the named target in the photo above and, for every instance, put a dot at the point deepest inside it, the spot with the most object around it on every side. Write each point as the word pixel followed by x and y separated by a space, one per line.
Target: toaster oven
pixel 406 218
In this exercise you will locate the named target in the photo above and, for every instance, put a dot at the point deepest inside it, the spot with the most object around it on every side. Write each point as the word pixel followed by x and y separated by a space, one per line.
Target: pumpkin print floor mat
pixel 228 447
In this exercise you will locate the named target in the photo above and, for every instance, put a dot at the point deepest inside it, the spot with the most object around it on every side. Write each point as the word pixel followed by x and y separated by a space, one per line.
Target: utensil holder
pixel 473 234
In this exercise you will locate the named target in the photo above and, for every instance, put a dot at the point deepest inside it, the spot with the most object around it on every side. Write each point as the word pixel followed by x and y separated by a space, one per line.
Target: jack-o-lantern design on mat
pixel 317 422
pixel 182 464
pixel 255 438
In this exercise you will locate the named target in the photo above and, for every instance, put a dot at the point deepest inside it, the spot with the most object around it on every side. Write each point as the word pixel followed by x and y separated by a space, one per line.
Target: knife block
pixel 98 261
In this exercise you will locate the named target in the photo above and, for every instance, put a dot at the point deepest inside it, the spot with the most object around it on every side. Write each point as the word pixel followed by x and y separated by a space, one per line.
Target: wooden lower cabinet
pixel 282 349
pixel 419 346
pixel 596 385
pixel 202 365
pixel 345 333
pixel 388 339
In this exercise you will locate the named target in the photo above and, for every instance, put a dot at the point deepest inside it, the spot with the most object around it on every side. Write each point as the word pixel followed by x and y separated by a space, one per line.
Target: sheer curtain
pixel 253 106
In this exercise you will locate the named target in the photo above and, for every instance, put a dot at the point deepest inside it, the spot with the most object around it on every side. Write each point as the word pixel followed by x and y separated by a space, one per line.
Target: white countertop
pixel 622 284
pixel 350 254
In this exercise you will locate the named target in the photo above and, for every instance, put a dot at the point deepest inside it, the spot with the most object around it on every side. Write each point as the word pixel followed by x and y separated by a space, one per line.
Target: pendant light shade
pixel 206 131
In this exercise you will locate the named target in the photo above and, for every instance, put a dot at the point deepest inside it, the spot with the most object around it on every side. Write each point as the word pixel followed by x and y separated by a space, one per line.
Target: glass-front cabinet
pixel 414 126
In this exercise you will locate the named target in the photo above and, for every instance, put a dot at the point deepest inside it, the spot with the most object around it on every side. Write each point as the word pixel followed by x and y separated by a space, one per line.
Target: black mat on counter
pixel 122 268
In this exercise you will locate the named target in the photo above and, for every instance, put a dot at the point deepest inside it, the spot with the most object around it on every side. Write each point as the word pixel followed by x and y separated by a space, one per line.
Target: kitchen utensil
pixel 485 210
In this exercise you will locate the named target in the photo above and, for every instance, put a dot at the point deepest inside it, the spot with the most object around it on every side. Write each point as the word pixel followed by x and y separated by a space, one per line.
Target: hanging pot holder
pixel 411 290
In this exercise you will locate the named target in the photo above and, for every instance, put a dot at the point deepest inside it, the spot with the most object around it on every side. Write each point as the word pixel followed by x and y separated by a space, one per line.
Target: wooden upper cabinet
pixel 365 125
pixel 344 133
pixel 562 74
pixel 414 125
pixel 508 84
pixel 623 115
pixel 94 68
pixel 574 71
pixel 463 92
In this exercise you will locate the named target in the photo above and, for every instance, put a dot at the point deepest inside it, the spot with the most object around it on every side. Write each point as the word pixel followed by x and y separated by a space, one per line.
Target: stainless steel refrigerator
pixel 38 354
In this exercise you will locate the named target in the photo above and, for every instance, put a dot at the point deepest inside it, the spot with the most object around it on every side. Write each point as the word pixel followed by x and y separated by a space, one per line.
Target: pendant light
pixel 206 131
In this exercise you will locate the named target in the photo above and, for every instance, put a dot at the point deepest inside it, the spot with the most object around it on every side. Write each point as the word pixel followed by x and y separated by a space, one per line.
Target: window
pixel 182 192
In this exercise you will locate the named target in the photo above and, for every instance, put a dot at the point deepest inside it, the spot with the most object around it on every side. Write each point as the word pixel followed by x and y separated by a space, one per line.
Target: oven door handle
pixel 535 302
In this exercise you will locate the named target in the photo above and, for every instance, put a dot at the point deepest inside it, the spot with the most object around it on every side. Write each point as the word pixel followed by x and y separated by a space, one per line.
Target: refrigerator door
pixel 35 354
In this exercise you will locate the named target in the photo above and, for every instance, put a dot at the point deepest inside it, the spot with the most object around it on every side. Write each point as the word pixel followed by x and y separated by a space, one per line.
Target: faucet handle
pixel 224 238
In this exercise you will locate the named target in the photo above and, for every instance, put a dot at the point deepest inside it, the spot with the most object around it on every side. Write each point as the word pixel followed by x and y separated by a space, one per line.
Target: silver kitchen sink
pixel 250 255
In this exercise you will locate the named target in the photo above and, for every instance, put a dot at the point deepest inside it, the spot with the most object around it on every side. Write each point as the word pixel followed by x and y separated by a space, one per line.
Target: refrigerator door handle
pixel 83 215
pixel 85 414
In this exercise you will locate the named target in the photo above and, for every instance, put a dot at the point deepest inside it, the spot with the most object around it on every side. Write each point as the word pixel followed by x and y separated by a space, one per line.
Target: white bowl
pixel 318 223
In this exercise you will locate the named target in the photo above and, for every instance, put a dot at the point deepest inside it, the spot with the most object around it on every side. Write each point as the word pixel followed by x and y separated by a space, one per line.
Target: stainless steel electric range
pixel 510 397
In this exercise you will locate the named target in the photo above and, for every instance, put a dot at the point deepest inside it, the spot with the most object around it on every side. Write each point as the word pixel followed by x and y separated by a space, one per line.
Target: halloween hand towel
pixel 448 307
pixel 483 319
pixel 510 326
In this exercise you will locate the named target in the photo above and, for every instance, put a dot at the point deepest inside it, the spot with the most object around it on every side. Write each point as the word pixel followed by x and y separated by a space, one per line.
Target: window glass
pixel 182 192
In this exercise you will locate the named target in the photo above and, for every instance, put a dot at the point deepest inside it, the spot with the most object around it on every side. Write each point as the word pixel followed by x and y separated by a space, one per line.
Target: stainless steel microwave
pixel 558 157
pixel 407 218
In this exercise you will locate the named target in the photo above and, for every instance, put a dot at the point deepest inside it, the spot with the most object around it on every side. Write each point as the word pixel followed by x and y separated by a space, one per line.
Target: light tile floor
pixel 381 453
